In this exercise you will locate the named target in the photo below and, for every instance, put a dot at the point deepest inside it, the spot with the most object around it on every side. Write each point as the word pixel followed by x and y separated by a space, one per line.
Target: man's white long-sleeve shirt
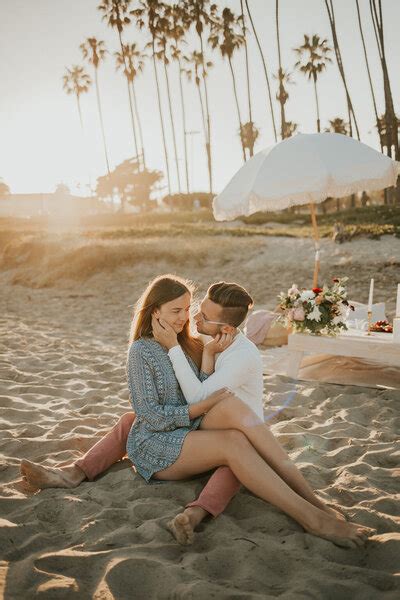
pixel 238 368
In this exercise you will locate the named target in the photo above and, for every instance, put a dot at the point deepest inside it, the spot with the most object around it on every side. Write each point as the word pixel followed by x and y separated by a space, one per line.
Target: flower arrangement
pixel 318 311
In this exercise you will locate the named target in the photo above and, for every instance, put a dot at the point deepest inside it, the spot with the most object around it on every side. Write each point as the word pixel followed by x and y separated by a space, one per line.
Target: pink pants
pixel 214 498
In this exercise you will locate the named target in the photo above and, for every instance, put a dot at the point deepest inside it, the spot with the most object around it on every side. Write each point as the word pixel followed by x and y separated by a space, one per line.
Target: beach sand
pixel 62 383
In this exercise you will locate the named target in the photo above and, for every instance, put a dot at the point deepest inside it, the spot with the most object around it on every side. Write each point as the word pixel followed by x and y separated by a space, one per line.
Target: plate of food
pixel 382 327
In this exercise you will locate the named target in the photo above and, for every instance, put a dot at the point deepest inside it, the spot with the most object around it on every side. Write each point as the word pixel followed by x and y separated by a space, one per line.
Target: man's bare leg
pixel 184 524
pixel 222 486
pixel 107 451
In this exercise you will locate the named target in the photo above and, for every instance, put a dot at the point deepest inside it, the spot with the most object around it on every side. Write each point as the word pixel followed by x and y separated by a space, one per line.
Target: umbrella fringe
pixel 257 203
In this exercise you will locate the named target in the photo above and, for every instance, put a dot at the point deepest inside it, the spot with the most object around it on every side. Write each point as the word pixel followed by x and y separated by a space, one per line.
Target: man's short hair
pixel 233 299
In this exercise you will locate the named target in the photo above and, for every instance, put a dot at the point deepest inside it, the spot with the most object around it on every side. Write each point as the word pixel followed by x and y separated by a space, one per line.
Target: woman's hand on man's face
pixel 163 333
pixel 221 342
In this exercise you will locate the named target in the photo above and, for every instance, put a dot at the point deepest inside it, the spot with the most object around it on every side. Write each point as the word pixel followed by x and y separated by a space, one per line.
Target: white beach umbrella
pixel 305 169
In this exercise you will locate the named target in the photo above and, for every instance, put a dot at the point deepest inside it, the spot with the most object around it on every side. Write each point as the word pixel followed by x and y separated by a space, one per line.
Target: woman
pixel 171 440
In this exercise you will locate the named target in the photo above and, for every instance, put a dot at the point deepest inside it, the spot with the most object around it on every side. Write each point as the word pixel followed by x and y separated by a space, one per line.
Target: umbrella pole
pixel 316 244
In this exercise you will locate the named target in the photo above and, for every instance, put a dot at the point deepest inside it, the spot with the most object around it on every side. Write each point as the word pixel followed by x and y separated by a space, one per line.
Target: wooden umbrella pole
pixel 316 244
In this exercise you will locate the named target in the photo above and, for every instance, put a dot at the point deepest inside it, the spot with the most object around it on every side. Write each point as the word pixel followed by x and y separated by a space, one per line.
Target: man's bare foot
pixel 183 525
pixel 46 477
pixel 341 533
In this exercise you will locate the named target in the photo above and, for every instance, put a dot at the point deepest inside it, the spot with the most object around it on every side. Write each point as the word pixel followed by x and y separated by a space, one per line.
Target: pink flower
pixel 298 314
pixel 290 314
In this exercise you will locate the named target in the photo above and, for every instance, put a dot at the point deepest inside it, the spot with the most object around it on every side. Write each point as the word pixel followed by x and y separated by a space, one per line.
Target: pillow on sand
pixel 262 329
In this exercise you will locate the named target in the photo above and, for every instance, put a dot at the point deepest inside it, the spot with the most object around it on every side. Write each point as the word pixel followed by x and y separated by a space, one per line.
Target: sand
pixel 62 386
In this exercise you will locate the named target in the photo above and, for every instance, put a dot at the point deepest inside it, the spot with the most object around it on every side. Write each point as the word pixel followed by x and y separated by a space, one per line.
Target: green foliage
pixel 187 201
pixel 132 183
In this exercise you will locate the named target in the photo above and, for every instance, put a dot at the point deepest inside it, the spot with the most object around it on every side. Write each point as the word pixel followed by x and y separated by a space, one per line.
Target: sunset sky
pixel 41 143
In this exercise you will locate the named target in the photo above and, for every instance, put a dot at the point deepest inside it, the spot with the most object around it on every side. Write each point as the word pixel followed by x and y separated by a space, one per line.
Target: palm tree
pixel 313 57
pixel 282 75
pixel 225 35
pixel 148 16
pixel 391 127
pixel 116 13
pixel 94 51
pixel 285 79
pixel 338 125
pixel 386 140
pixel 195 63
pixel 131 60
pixel 76 81
pixel 265 70
pixel 248 136
pixel 251 132
pixel 350 109
pixel 201 13
pixel 367 65
pixel 290 129
pixel 162 40
pixel 177 34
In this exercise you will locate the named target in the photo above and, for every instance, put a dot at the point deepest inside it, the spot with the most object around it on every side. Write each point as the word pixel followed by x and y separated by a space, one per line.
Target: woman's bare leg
pixel 204 450
pixel 107 451
pixel 235 414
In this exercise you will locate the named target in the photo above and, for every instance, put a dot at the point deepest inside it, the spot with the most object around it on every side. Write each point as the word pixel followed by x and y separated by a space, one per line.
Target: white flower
pixel 307 295
pixel 337 320
pixel 294 291
pixel 315 314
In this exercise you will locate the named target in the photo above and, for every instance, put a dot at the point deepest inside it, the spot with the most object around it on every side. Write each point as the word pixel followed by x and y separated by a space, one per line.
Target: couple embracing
pixel 197 408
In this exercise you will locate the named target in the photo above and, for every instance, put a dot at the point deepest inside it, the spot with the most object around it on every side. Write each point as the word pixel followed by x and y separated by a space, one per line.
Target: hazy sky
pixel 40 138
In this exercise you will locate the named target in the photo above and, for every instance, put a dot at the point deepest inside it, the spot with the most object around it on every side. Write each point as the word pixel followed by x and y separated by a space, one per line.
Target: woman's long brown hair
pixel 162 289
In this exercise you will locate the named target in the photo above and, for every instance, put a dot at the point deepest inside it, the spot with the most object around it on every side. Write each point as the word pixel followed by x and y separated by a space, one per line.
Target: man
pixel 238 368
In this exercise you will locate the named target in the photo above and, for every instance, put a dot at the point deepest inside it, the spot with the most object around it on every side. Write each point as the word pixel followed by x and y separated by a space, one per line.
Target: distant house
pixel 60 203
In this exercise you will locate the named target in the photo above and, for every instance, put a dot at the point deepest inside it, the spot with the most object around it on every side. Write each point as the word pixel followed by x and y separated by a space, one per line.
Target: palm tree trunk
pixel 135 106
pixel 172 127
pixel 130 99
pixel 317 105
pixel 184 126
pixel 101 120
pixel 265 71
pixel 203 116
pixel 390 115
pixel 281 90
pixel 208 141
pixel 271 106
pixel 161 119
pixel 368 71
pixel 80 113
pixel 237 107
pixel 251 147
pixel 85 151
pixel 331 16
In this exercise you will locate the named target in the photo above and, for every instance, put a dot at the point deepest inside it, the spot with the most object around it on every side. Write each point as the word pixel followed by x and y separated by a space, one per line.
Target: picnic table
pixel 376 347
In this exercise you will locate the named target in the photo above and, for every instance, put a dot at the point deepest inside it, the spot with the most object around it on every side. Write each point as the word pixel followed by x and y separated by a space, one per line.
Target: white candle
pixel 398 301
pixel 371 294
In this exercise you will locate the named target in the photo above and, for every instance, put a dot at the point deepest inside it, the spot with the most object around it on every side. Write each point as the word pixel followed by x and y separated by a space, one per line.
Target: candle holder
pixel 369 322
pixel 396 330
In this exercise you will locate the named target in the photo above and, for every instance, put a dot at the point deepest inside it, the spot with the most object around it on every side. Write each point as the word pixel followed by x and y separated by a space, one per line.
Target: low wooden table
pixel 377 346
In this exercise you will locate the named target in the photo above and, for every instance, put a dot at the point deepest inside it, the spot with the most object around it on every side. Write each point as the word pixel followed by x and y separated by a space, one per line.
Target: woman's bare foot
pixel 342 533
pixel 46 477
pixel 183 525
pixel 333 512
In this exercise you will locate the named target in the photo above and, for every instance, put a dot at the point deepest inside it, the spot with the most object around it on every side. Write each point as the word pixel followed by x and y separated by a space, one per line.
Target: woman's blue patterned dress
pixel 162 414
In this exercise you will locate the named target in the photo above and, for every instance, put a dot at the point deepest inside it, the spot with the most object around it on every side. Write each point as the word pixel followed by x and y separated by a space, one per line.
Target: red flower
pixel 317 290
